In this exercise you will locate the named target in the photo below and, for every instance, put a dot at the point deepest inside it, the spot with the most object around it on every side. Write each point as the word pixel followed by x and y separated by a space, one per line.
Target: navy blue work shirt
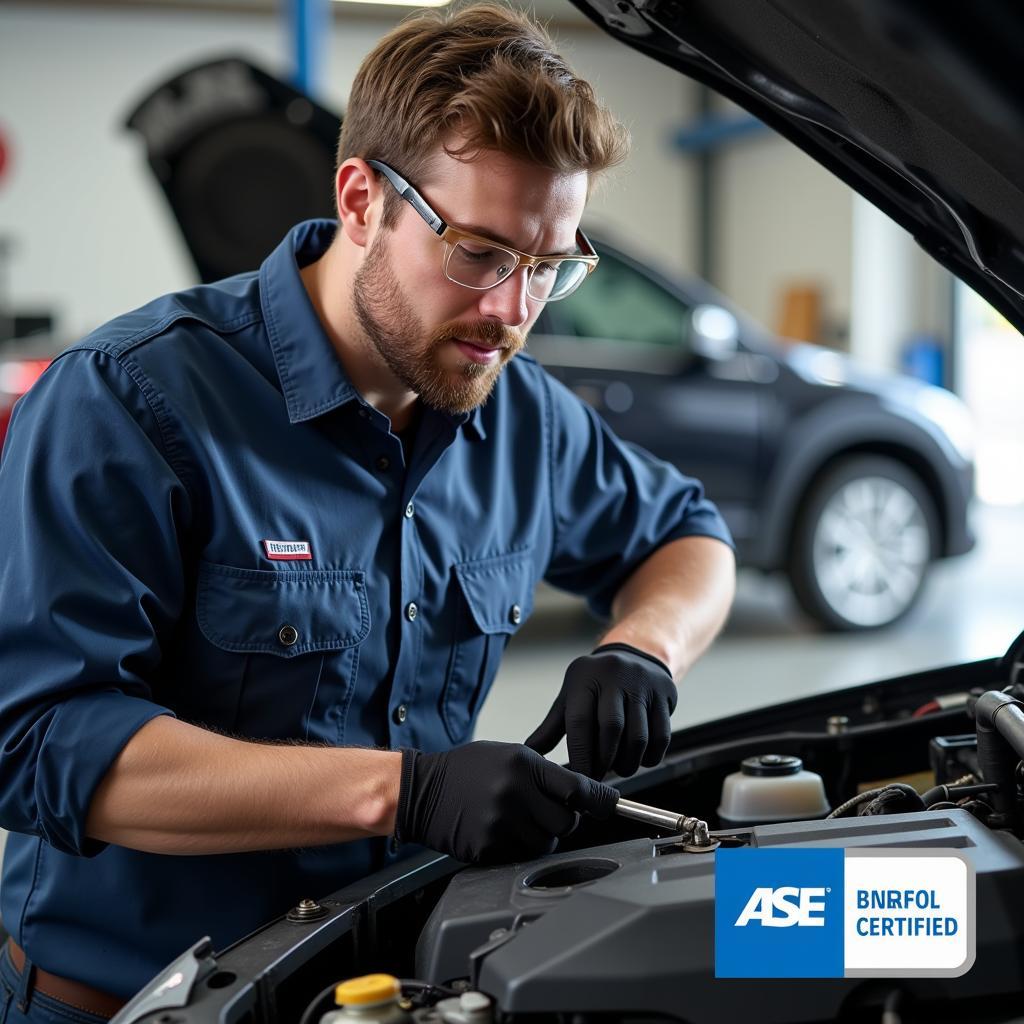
pixel 203 517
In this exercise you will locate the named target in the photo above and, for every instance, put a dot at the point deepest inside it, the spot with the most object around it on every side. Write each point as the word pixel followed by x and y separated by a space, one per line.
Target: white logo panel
pixel 907 913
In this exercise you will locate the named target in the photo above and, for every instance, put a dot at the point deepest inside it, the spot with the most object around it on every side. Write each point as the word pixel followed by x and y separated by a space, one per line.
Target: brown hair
pixel 489 74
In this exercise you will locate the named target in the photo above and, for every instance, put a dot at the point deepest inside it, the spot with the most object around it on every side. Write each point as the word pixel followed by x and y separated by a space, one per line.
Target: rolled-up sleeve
pixel 614 503
pixel 91 581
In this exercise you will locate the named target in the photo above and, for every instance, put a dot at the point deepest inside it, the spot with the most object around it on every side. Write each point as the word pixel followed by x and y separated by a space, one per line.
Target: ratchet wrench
pixel 668 820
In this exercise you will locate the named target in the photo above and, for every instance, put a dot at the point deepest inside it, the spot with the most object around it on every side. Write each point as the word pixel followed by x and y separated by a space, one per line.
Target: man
pixel 267 540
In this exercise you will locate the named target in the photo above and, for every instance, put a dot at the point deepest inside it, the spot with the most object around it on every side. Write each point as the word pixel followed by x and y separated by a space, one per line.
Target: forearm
pixel 179 789
pixel 676 601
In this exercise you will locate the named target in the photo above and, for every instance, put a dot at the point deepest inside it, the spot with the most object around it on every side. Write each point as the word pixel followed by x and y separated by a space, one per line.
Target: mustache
pixel 484 332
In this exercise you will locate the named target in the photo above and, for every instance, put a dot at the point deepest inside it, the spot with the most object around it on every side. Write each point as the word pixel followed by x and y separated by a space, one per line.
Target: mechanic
pixel 267 540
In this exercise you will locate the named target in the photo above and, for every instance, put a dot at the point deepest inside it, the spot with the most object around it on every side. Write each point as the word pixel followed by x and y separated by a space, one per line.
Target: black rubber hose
pixel 323 1002
pixel 953 793
pixel 1005 714
pixel 999 722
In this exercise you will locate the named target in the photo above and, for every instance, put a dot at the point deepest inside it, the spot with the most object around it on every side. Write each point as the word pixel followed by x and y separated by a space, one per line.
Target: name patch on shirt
pixel 288 550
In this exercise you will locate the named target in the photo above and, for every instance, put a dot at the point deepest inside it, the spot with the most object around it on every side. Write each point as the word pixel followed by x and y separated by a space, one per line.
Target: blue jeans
pixel 18 1006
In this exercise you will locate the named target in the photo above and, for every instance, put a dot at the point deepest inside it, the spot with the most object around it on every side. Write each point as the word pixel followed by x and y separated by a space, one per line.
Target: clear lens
pixel 554 279
pixel 476 265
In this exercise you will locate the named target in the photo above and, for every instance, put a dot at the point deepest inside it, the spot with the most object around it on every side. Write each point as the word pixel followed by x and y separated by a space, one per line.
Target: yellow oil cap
pixel 370 988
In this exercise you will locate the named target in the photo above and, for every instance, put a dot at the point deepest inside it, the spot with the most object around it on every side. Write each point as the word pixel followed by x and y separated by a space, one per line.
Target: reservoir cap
pixel 369 989
pixel 772 764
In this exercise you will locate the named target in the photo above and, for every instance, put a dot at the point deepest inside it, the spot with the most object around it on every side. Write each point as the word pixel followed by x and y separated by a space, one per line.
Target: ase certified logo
pixel 833 913
pixel 785 907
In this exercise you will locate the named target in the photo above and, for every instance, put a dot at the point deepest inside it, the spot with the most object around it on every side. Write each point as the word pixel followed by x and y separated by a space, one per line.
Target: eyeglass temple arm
pixel 589 251
pixel 411 196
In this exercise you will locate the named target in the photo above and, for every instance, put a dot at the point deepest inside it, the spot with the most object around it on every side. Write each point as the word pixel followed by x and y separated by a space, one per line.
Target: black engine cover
pixel 628 929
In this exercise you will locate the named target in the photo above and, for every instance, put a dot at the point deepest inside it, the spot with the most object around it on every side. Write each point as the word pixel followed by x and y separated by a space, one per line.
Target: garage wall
pixel 91 232
pixel 90 226
pixel 783 220
pixel 92 235
pixel 648 202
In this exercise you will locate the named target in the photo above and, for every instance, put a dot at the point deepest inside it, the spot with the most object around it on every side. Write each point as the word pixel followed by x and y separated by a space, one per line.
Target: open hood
pixel 916 105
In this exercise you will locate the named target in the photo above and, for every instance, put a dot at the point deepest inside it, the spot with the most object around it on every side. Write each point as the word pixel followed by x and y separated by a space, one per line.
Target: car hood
pixel 916 105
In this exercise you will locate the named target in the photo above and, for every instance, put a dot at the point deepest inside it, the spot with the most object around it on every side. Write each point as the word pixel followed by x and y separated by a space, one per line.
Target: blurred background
pixel 750 299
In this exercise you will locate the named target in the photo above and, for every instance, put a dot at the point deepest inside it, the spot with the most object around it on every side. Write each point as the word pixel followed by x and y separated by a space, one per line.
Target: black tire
pixel 852 565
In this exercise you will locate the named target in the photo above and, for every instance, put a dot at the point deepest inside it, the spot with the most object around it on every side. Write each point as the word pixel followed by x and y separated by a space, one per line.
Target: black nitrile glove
pixel 491 802
pixel 613 709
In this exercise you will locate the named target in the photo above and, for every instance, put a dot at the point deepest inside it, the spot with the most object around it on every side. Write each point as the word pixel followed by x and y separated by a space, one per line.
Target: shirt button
pixel 401 713
pixel 364 412
pixel 515 613
pixel 411 611
pixel 383 463
pixel 287 635
pixel 409 511
pixel 393 846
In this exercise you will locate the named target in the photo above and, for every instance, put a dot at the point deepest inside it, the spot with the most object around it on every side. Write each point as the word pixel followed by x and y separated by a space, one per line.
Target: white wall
pixel 93 234
pixel 783 219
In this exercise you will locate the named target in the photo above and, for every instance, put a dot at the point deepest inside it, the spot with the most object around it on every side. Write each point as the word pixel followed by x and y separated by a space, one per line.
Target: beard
pixel 415 357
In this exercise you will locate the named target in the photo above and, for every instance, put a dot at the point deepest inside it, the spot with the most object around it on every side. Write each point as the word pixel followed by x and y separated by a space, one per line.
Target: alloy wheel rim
pixel 870 550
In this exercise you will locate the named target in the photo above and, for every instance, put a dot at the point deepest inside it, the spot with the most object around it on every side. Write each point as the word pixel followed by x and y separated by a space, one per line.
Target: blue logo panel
pixel 779 913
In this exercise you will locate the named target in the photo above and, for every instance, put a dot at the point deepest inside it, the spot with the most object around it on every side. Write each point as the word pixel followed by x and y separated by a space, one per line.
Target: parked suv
pixel 852 483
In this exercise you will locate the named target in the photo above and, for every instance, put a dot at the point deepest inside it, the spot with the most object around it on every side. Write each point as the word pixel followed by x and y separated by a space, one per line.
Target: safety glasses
pixel 480 263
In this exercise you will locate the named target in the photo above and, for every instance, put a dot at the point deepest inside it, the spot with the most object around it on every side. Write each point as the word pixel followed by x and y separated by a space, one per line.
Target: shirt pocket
pixel 494 597
pixel 286 644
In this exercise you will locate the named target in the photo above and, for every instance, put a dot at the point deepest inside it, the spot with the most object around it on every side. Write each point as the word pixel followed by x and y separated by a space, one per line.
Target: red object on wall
pixel 4 155
pixel 16 377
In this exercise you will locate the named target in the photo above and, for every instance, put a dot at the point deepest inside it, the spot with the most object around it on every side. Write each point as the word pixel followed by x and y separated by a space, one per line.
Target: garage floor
pixel 972 609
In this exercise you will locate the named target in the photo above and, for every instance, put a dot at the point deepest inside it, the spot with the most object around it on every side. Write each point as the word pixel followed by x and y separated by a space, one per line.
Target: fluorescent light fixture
pixel 398 3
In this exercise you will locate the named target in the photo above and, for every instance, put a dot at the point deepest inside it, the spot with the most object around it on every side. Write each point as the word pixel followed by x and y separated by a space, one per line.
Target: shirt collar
pixel 312 376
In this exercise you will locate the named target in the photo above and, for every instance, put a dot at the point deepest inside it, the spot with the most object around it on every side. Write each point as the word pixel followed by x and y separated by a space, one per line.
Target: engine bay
pixel 618 924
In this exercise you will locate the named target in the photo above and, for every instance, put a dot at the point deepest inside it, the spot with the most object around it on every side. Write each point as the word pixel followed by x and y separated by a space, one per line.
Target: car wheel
pixel 865 535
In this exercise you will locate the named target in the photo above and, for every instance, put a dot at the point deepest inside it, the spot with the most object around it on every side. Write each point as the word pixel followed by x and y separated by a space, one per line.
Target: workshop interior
pixel 812 299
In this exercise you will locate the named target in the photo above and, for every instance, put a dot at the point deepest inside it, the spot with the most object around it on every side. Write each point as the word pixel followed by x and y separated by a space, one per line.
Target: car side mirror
pixel 714 333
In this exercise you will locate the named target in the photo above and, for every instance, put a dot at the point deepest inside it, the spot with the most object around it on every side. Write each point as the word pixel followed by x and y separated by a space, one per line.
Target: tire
pixel 864 538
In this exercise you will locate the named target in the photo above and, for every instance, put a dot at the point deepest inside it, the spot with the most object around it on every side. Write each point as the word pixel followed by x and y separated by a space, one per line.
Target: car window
pixel 620 302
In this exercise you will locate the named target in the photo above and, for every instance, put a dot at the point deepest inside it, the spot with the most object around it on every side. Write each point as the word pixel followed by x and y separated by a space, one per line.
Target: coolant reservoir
pixel 371 999
pixel 771 787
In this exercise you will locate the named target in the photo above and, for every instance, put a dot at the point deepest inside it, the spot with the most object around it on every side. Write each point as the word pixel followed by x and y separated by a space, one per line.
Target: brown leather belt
pixel 64 990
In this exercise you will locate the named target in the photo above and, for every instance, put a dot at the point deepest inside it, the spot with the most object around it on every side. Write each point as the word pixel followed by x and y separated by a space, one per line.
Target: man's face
pixel 445 342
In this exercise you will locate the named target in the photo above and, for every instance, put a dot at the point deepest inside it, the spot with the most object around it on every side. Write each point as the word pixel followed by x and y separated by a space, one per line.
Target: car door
pixel 623 344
